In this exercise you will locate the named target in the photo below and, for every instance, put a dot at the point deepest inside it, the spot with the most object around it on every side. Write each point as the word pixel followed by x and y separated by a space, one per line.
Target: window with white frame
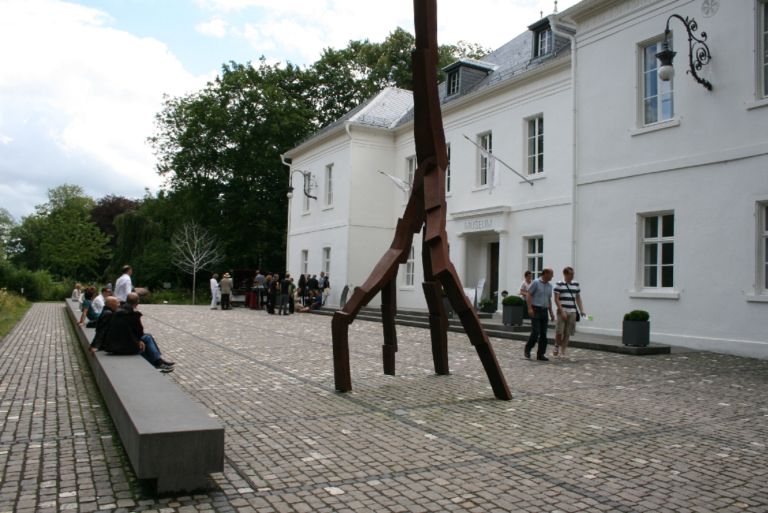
pixel 536 145
pixel 410 266
pixel 410 174
pixel 762 38
pixel 485 141
pixel 327 260
pixel 307 185
pixel 304 261
pixel 544 42
pixel 762 245
pixel 658 250
pixel 534 256
pixel 658 98
pixel 453 82
pixel 329 185
pixel 448 169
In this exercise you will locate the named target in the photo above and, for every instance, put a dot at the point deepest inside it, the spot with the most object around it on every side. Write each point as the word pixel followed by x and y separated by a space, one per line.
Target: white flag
pixel 401 184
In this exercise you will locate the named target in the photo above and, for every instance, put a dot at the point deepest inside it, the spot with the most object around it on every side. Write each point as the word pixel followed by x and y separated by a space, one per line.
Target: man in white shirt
pixel 98 302
pixel 123 285
pixel 214 290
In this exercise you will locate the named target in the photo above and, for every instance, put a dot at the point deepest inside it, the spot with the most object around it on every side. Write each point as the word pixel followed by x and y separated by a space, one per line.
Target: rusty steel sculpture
pixel 426 209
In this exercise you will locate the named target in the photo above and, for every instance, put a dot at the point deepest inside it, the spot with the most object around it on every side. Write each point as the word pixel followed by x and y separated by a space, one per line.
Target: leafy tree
pixel 220 148
pixel 7 222
pixel 60 237
pixel 194 250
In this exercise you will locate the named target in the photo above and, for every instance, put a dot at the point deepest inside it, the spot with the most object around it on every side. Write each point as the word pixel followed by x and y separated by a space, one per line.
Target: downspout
pixel 570 33
pixel 347 128
pixel 288 162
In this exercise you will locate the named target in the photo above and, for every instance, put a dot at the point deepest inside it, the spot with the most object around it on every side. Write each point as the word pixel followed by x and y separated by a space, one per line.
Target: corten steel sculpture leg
pixel 426 207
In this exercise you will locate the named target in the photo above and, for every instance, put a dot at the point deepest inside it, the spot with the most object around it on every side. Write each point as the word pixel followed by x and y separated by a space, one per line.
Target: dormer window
pixel 544 42
pixel 453 82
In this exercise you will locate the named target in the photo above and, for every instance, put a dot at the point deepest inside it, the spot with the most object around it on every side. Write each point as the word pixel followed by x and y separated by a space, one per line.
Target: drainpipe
pixel 287 162
pixel 562 30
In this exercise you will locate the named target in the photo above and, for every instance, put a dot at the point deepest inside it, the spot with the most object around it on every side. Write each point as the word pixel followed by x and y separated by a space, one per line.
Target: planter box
pixel 636 333
pixel 512 315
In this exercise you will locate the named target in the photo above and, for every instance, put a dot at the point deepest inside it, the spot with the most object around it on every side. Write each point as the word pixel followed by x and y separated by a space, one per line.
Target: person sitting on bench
pixel 111 304
pixel 126 335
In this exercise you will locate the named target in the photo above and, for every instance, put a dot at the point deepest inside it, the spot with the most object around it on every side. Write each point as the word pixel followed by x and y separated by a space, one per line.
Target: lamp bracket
pixel 698 50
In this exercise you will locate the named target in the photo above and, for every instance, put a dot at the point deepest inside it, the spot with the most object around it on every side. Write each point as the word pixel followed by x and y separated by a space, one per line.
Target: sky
pixel 81 81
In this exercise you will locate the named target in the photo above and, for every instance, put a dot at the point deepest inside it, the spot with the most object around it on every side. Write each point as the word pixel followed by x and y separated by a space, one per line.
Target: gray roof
pixel 393 107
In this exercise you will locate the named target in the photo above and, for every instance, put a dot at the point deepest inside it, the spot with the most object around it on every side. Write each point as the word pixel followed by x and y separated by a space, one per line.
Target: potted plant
pixel 487 305
pixel 512 310
pixel 636 329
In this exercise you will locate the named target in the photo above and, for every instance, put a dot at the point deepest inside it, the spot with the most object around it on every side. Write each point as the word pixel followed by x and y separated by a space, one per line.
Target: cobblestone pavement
pixel 685 432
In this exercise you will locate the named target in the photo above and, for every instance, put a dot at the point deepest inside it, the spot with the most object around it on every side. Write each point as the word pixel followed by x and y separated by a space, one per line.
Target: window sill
pixel 407 288
pixel 757 298
pixel 757 104
pixel 329 207
pixel 306 213
pixel 479 188
pixel 656 126
pixel 655 294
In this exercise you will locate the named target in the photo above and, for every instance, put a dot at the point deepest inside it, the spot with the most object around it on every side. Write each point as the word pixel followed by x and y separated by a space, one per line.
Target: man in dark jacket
pixel 111 304
pixel 126 335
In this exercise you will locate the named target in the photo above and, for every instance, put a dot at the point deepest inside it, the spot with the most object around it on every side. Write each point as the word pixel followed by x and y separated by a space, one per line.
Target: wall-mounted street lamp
pixel 696 48
pixel 307 187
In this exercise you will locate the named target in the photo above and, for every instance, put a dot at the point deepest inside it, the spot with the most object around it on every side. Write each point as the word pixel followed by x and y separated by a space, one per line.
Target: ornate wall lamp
pixel 307 178
pixel 696 48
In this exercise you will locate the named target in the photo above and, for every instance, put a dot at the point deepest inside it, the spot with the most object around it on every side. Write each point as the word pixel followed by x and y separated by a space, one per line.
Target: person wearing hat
pixel 226 290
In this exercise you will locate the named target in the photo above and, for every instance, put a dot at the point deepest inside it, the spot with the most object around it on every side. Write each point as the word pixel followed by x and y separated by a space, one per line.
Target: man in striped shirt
pixel 567 299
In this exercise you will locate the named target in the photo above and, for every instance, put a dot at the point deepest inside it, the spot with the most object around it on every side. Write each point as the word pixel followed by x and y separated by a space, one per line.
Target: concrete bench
pixel 168 438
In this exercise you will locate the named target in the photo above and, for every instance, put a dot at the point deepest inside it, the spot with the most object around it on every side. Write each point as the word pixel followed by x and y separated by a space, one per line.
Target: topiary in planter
pixel 512 310
pixel 636 329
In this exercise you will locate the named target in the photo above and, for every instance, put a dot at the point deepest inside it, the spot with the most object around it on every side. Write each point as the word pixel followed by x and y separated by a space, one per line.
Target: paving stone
pixel 602 432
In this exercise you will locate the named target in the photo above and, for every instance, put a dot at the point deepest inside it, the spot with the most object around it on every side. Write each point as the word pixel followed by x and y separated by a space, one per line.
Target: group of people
pixel 278 295
pixel 538 295
pixel 117 320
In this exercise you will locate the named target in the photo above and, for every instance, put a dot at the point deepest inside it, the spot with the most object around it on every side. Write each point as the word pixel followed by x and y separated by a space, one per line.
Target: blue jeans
pixel 151 352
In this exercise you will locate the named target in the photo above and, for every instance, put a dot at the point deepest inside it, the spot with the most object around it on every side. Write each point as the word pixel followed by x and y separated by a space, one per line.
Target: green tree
pixel 60 237
pixel 7 223
pixel 220 148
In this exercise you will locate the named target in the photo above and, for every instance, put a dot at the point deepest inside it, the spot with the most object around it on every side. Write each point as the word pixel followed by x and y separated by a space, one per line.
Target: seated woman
pixel 87 308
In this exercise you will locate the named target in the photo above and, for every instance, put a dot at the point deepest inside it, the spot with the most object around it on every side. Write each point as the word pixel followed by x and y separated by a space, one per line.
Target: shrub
pixel 513 301
pixel 173 297
pixel 637 315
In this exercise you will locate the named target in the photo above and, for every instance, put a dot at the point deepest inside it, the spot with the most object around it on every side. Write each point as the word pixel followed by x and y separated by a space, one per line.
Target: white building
pixel 656 192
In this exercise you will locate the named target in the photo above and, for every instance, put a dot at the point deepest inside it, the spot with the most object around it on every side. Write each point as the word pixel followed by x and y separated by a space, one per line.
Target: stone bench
pixel 168 438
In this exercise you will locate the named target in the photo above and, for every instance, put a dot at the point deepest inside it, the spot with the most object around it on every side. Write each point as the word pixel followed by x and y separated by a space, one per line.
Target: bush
pixel 513 301
pixel 12 308
pixel 637 315
pixel 36 285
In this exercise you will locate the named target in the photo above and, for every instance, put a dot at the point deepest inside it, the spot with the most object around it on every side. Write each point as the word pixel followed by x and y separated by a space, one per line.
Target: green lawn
pixel 12 308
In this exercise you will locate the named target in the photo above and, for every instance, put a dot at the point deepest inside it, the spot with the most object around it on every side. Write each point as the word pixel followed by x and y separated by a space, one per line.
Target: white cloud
pixel 78 99
pixel 301 29
pixel 217 27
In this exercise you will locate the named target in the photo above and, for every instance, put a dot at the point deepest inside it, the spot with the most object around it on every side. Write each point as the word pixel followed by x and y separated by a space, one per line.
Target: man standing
pixel 226 291
pixel 568 302
pixel 214 290
pixel 123 285
pixel 539 302
pixel 258 284
pixel 285 287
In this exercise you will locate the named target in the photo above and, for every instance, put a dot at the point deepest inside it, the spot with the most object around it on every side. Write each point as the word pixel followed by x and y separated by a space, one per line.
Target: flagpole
pixel 497 158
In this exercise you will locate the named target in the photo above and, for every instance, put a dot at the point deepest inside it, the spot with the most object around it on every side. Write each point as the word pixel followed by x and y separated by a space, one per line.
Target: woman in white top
pixel 524 290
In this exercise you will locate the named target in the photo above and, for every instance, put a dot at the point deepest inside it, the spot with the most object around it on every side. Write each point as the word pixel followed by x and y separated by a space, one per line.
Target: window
pixel 329 185
pixel 486 143
pixel 304 261
pixel 410 174
pixel 453 82
pixel 448 169
pixel 307 185
pixel 535 255
pixel 327 260
pixel 658 102
pixel 536 145
pixel 762 245
pixel 658 250
pixel 409 268
pixel 762 37
pixel 544 42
